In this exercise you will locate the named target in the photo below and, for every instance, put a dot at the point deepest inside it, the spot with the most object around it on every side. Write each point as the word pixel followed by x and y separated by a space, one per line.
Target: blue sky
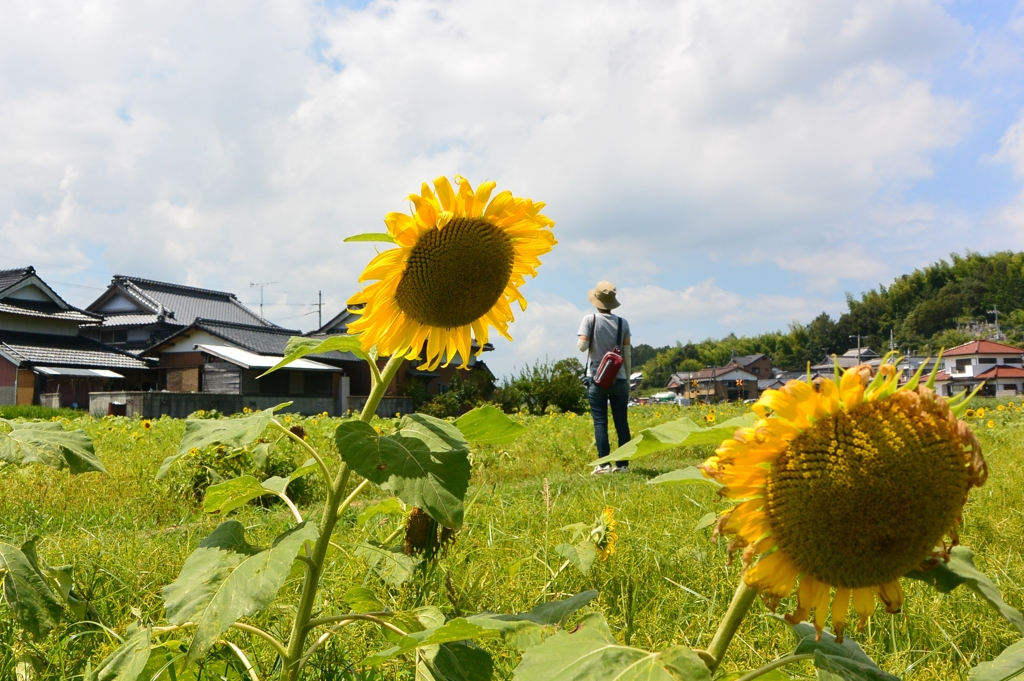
pixel 732 167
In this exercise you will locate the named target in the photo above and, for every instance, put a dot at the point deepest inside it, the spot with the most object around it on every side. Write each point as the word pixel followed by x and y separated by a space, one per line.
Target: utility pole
pixel 319 309
pixel 858 346
pixel 261 286
pixel 995 311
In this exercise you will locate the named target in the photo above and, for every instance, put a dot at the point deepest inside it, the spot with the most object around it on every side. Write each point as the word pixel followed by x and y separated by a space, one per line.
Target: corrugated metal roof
pixel 188 303
pixel 71 315
pixel 250 360
pixel 51 350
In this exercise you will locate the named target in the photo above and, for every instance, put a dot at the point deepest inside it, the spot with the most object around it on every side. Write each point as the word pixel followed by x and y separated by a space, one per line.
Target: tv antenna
pixel 261 286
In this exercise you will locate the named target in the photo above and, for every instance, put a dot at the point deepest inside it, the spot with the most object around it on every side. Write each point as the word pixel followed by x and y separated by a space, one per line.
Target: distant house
pixel 760 365
pixel 848 359
pixel 211 356
pixel 137 312
pixel 966 366
pixel 45 356
pixel 411 379
pixel 715 384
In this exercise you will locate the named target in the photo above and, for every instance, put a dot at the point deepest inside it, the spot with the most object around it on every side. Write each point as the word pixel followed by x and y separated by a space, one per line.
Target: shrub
pixel 544 387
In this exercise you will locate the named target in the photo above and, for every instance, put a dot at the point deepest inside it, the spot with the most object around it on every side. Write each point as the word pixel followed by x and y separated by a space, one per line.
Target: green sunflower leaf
pixel 679 433
pixel 371 236
pixel 426 463
pixel 961 570
pixel 528 629
pixel 34 604
pixel 226 496
pixel 234 432
pixel 390 564
pixel 591 653
pixel 845 660
pixel 227 578
pixel 128 661
pixel 47 443
pixel 489 425
pixel 691 475
pixel 300 346
pixel 458 629
pixel 1008 665
pixel 581 555
pixel 389 507
pixel 457 661
pixel 363 599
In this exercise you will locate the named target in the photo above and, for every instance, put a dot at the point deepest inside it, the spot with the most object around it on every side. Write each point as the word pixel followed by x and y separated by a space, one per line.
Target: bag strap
pixel 590 345
pixel 618 337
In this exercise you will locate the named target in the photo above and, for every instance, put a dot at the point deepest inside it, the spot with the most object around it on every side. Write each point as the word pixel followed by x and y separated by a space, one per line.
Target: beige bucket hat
pixel 603 295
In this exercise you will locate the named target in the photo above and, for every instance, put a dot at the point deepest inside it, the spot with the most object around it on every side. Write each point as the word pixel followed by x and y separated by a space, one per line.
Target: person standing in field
pixel 600 333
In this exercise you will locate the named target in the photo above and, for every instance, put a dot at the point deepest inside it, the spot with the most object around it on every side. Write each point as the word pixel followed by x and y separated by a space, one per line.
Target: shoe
pixel 602 469
pixel 620 469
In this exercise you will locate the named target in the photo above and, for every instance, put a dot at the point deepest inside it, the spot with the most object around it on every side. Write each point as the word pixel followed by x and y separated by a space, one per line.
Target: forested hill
pixel 941 305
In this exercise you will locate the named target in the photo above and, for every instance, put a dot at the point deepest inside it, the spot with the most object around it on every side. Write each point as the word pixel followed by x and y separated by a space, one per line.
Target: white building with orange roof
pixel 999 366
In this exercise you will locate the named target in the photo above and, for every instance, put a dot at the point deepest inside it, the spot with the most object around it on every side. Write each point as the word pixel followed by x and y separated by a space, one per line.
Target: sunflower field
pixel 118 539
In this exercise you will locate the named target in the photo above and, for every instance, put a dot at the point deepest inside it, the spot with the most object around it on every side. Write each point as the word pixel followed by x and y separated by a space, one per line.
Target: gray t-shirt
pixel 603 339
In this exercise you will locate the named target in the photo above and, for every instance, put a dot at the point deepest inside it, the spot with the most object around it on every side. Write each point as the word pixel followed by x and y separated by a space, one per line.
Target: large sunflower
pixel 459 264
pixel 846 486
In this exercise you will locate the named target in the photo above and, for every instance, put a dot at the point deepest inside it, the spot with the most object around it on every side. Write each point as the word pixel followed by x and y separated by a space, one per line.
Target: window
pixel 318 384
pixel 962 364
pixel 757 370
pixel 274 384
pixel 1011 360
pixel 114 336
pixel 986 360
pixel 1010 386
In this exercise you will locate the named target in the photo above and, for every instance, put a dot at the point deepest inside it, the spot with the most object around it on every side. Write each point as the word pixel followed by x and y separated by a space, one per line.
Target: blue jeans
pixel 618 396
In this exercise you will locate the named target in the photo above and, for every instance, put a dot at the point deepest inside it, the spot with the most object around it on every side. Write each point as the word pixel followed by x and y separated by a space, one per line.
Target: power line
pixel 66 283
pixel 50 264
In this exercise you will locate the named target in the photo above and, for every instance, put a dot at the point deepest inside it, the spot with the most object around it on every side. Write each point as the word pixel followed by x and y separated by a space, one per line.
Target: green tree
pixel 543 386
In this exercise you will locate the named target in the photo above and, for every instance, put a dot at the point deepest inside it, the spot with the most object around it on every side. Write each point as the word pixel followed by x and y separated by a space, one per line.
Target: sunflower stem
pixel 379 386
pixel 730 624
pixel 781 662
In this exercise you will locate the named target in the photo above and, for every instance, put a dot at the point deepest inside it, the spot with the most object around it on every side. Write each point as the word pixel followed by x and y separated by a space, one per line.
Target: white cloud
pixel 1011 147
pixel 825 269
pixel 220 144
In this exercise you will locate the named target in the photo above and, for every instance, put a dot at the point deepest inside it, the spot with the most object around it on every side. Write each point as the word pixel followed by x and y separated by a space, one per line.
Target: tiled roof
pixel 942 376
pixel 983 347
pixel 52 350
pixel 259 339
pixel 709 373
pixel 130 319
pixel 1001 372
pixel 9 278
pixel 47 312
pixel 185 304
pixel 746 360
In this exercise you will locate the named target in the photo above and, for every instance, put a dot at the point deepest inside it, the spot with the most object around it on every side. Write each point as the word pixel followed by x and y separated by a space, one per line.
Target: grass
pixel 30 411
pixel 667 584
